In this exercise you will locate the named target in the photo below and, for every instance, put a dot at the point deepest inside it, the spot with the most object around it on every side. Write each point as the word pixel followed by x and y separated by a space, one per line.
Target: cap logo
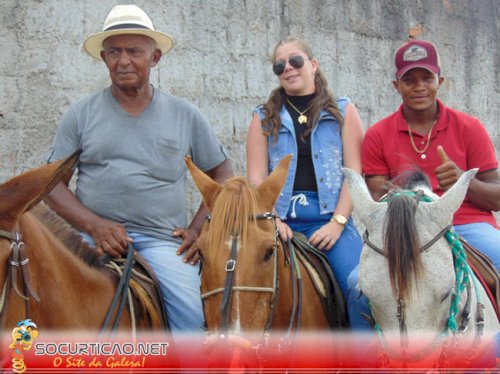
pixel 415 53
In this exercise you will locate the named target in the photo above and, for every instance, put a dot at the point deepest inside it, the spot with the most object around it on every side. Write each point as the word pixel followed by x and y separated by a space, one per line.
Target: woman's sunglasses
pixel 296 61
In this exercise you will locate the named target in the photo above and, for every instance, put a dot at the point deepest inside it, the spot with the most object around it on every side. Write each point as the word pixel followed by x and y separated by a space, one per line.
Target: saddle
pixel 485 271
pixel 325 283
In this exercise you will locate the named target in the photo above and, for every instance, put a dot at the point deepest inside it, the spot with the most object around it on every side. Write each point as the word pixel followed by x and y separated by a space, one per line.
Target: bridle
pixel 18 260
pixel 425 247
pixel 229 287
pixel 465 282
pixel 419 196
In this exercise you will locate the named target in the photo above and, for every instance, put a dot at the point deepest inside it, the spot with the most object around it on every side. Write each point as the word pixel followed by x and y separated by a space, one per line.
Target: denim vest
pixel 326 148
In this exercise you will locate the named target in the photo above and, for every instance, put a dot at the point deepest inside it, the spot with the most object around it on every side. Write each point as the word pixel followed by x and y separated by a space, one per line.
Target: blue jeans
pixel 357 304
pixel 344 255
pixel 486 238
pixel 482 235
pixel 179 282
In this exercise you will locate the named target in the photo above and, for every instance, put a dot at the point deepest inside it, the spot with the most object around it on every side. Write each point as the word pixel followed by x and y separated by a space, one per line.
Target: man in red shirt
pixel 440 141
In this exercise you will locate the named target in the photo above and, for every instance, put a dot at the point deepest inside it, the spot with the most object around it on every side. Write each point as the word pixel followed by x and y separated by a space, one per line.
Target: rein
pixel 464 277
pixel 121 292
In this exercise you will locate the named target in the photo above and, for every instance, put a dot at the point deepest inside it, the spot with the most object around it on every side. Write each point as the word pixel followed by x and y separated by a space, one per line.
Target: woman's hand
pixel 326 236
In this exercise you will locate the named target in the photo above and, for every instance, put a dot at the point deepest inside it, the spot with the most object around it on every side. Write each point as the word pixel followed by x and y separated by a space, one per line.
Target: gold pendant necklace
pixel 421 151
pixel 302 118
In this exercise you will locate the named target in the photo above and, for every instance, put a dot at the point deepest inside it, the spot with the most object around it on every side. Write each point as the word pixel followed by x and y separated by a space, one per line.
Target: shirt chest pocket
pixel 167 160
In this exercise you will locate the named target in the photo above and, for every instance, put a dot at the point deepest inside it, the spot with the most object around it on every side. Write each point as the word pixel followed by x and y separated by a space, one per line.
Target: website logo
pixel 23 336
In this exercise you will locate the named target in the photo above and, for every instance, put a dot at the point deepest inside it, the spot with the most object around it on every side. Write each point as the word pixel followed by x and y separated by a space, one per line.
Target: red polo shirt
pixel 387 150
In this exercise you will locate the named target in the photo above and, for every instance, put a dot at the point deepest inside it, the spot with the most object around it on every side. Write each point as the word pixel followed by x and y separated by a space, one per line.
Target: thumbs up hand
pixel 448 172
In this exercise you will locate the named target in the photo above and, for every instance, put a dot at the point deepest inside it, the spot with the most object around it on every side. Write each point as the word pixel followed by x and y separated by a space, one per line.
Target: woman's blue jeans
pixel 344 255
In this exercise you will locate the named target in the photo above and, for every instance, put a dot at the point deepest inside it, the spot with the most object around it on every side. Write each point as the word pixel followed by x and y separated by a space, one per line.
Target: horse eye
pixel 269 253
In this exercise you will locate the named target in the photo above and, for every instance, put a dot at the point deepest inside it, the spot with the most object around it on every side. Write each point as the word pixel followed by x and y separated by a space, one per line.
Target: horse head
pixel 238 247
pixel 407 270
pixel 17 196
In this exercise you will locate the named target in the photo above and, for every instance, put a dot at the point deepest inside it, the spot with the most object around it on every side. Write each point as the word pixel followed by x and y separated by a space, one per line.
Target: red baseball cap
pixel 417 54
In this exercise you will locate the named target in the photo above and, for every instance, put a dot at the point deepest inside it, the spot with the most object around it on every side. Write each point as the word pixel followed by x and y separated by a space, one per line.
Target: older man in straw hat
pixel 131 180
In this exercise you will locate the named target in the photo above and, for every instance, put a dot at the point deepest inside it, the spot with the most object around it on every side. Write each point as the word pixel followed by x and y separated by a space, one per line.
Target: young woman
pixel 301 117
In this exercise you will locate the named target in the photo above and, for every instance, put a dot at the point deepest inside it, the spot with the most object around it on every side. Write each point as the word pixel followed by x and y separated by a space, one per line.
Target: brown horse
pixel 46 271
pixel 249 281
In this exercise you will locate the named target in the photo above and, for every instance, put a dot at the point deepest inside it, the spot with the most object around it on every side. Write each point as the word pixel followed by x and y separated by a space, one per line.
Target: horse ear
pixel 445 207
pixel 21 193
pixel 61 171
pixel 209 188
pixel 360 196
pixel 270 189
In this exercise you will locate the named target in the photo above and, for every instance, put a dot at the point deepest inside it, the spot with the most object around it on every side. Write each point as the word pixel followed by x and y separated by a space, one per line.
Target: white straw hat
pixel 126 19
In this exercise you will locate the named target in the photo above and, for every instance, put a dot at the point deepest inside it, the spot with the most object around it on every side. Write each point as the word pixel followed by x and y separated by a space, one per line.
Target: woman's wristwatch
pixel 339 218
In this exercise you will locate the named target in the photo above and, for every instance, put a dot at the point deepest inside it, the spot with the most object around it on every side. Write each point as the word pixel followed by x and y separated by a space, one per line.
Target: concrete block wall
pixel 221 60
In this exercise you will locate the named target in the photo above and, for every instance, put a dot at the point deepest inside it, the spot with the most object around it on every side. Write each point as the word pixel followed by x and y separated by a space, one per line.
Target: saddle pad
pixel 485 271
pixel 316 264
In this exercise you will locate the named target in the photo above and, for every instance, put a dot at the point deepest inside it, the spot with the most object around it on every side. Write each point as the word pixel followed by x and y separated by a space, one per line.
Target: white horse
pixel 421 300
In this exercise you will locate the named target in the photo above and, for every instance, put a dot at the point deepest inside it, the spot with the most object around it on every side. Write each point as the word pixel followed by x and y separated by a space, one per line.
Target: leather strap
pixel 424 248
pixel 228 287
pixel 5 296
pixel 19 260
pixel 121 292
pixel 12 236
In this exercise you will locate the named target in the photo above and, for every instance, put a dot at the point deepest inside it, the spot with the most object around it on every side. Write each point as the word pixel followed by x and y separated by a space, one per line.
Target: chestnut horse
pixel 423 295
pixel 48 277
pixel 249 283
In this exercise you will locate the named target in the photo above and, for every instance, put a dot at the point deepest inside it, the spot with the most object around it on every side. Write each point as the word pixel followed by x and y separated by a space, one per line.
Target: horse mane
pixel 401 243
pixel 70 237
pixel 233 211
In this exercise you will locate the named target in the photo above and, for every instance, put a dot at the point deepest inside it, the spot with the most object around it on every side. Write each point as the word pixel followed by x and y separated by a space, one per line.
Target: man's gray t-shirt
pixel 132 169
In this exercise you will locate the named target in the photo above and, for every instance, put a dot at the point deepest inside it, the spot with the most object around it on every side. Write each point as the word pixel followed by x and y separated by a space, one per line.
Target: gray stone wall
pixel 221 61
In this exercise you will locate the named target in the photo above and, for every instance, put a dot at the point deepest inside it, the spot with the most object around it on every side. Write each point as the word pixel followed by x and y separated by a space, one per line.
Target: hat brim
pixel 432 68
pixel 93 44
